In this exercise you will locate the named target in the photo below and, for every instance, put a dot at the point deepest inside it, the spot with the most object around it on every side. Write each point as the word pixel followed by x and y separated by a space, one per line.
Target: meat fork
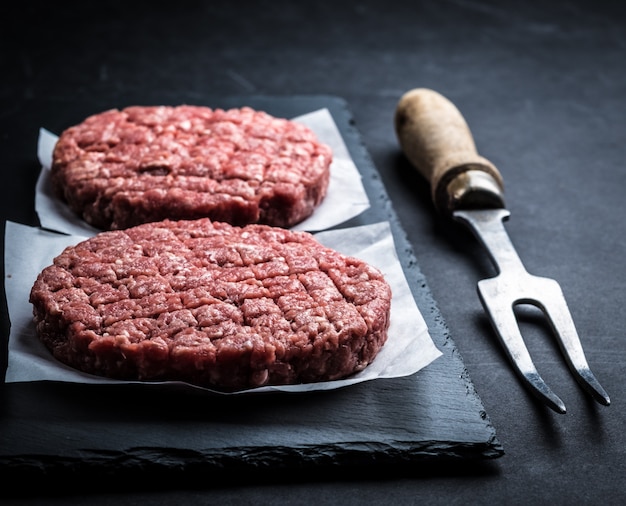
pixel 436 139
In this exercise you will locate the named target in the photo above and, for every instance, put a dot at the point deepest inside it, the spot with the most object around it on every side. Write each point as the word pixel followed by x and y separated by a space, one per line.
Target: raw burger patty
pixel 211 304
pixel 122 168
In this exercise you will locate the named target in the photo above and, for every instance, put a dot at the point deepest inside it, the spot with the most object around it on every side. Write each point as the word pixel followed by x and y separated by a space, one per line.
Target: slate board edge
pixel 424 298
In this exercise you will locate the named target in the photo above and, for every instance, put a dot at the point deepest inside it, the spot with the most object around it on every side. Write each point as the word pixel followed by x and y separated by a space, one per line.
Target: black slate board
pixel 51 430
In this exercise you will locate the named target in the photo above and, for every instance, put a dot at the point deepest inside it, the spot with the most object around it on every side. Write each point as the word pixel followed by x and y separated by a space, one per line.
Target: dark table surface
pixel 543 87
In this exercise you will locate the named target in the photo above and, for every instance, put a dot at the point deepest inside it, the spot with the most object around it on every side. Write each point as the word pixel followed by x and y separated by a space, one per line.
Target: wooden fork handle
pixel 435 138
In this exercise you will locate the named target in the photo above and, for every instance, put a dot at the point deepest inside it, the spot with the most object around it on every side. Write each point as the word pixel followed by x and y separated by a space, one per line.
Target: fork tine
pixel 554 305
pixel 500 312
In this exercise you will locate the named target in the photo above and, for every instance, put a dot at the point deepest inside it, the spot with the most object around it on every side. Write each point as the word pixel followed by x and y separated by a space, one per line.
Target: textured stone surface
pixel 541 85
pixel 434 414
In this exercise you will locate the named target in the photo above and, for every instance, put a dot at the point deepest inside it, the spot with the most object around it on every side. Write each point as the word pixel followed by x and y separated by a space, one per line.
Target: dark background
pixel 543 87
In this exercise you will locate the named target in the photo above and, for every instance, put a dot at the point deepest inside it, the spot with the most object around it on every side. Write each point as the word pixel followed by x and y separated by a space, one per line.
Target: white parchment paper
pixel 28 250
pixel 345 199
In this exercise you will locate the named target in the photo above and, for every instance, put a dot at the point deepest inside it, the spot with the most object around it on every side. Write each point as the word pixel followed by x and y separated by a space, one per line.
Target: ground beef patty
pixel 122 168
pixel 211 304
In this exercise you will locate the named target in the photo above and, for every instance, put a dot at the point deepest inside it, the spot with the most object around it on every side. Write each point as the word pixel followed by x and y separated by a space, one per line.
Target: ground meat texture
pixel 211 304
pixel 119 169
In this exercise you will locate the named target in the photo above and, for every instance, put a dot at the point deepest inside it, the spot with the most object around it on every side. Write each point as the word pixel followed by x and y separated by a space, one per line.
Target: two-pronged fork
pixel 436 139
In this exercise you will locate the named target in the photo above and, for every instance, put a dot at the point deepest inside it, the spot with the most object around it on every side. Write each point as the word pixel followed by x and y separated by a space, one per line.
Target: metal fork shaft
pixel 514 285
